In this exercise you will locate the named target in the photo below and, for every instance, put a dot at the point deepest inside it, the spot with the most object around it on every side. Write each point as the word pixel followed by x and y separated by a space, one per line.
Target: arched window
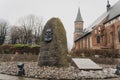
pixel 98 38
pixel 119 34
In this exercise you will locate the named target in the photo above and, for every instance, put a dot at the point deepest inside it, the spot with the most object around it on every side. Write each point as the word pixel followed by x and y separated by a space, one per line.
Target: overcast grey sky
pixel 66 10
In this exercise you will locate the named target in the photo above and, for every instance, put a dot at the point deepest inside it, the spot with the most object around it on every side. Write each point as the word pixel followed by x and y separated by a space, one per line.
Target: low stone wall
pixel 34 71
pixel 34 58
pixel 18 57
pixel 108 61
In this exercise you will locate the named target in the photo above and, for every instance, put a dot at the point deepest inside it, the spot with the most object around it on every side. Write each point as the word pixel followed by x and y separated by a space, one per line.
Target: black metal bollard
pixel 21 71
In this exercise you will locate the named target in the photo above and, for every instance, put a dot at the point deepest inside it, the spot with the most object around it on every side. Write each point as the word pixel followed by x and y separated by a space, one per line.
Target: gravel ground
pixel 34 71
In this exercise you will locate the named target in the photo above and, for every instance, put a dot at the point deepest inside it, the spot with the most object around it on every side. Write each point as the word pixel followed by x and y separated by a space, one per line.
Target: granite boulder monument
pixel 53 50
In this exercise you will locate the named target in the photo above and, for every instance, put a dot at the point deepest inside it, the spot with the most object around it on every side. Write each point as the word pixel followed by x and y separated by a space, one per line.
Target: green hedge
pixel 20 48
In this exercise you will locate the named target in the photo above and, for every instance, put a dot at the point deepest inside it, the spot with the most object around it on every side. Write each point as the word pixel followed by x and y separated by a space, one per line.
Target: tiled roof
pixel 114 11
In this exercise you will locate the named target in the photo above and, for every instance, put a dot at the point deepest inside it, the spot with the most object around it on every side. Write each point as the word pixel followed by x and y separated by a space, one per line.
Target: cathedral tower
pixel 78 25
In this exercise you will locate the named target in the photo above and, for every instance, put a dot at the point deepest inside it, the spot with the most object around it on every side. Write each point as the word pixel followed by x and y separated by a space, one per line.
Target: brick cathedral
pixel 103 33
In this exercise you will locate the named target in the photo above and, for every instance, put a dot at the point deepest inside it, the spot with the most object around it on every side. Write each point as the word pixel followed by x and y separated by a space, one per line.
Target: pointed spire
pixel 79 17
pixel 108 5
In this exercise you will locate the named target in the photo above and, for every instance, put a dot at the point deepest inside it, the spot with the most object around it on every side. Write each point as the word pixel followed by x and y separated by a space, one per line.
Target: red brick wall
pixel 77 45
pixel 108 37
pixel 116 40
pixel 96 32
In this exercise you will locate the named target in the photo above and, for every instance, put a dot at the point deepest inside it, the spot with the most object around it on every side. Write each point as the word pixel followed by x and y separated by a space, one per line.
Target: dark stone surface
pixel 117 72
pixel 21 71
pixel 48 36
pixel 53 51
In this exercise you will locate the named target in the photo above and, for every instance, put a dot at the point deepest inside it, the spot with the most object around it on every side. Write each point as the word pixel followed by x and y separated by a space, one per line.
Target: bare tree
pixel 3 30
pixel 14 35
pixel 17 35
pixel 32 27
pixel 37 33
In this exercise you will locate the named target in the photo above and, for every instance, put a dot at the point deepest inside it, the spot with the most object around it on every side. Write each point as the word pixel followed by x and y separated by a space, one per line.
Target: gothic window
pixel 98 39
pixel 119 34
pixel 82 43
pixel 109 38
pixel 88 42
